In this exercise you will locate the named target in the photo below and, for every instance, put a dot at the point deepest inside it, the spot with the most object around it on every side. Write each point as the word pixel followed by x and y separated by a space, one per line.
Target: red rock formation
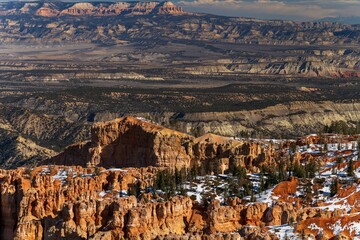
pixel 77 203
pixel 35 204
pixel 47 12
pixel 130 142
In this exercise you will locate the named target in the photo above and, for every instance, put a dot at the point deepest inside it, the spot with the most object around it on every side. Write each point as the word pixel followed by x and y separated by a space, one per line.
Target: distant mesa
pixel 57 9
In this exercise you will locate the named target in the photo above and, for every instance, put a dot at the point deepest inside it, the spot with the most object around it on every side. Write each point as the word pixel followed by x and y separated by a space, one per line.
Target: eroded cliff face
pixel 74 202
pixel 55 202
pixel 130 142
pixel 294 118
pixel 58 202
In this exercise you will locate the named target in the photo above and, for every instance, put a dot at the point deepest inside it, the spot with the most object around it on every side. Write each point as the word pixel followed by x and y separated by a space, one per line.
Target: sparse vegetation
pixel 341 127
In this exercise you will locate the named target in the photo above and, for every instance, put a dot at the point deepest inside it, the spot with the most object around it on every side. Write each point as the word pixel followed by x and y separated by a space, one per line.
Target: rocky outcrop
pixel 57 202
pixel 130 142
pixel 54 202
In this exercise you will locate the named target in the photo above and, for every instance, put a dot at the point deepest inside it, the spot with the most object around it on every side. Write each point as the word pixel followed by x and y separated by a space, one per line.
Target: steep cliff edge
pixel 131 142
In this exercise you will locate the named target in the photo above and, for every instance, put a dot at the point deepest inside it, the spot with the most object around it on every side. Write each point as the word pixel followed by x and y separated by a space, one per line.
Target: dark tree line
pixel 341 127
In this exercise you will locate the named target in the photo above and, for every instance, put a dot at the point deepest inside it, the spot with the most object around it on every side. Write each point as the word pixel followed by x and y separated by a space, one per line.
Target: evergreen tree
pixel 135 189
pixel 193 173
pixel 252 196
pixel 262 182
pixel 281 171
pixel 293 147
pixel 334 187
pixel 298 170
pixel 272 177
pixel 180 177
pixel 204 169
pixel 339 160
pixel 311 168
pixel 239 172
pixel 160 181
pixel 247 185
pixel 350 168
pixel 234 188
pixel 291 163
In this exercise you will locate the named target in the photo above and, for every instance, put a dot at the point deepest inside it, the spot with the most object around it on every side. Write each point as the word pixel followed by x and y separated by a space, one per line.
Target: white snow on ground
pixel 198 187
pixel 102 193
pixel 357 172
pixel 326 173
pixel 354 227
pixel 62 174
pixel 87 175
pixel 313 226
pixel 45 171
pixel 284 232
pixel 115 193
pixel 266 197
pixel 337 228
pixel 114 170
pixel 144 119
pixel 209 186
pixel 337 203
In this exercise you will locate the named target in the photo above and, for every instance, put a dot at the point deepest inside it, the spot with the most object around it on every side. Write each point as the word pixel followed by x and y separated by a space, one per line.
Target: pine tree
pixel 339 160
pixel 298 170
pixel 281 171
pixel 334 187
pixel 350 168
pixel 293 147
pixel 262 182
pixel 291 167
pixel 305 167
pixel 272 176
pixel 252 197
pixel 135 189
pixel 311 169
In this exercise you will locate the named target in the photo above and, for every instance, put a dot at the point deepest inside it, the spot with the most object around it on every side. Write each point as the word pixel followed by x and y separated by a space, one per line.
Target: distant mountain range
pixel 57 8
pixel 345 20
pixel 136 21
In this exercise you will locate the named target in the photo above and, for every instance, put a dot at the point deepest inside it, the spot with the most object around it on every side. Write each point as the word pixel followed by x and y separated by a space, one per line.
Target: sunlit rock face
pixel 56 9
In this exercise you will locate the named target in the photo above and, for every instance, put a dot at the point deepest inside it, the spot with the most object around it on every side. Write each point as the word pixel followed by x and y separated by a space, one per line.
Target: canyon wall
pixel 130 142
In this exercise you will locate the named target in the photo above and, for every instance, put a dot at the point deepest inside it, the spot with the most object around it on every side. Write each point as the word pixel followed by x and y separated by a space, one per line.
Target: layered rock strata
pixel 130 142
